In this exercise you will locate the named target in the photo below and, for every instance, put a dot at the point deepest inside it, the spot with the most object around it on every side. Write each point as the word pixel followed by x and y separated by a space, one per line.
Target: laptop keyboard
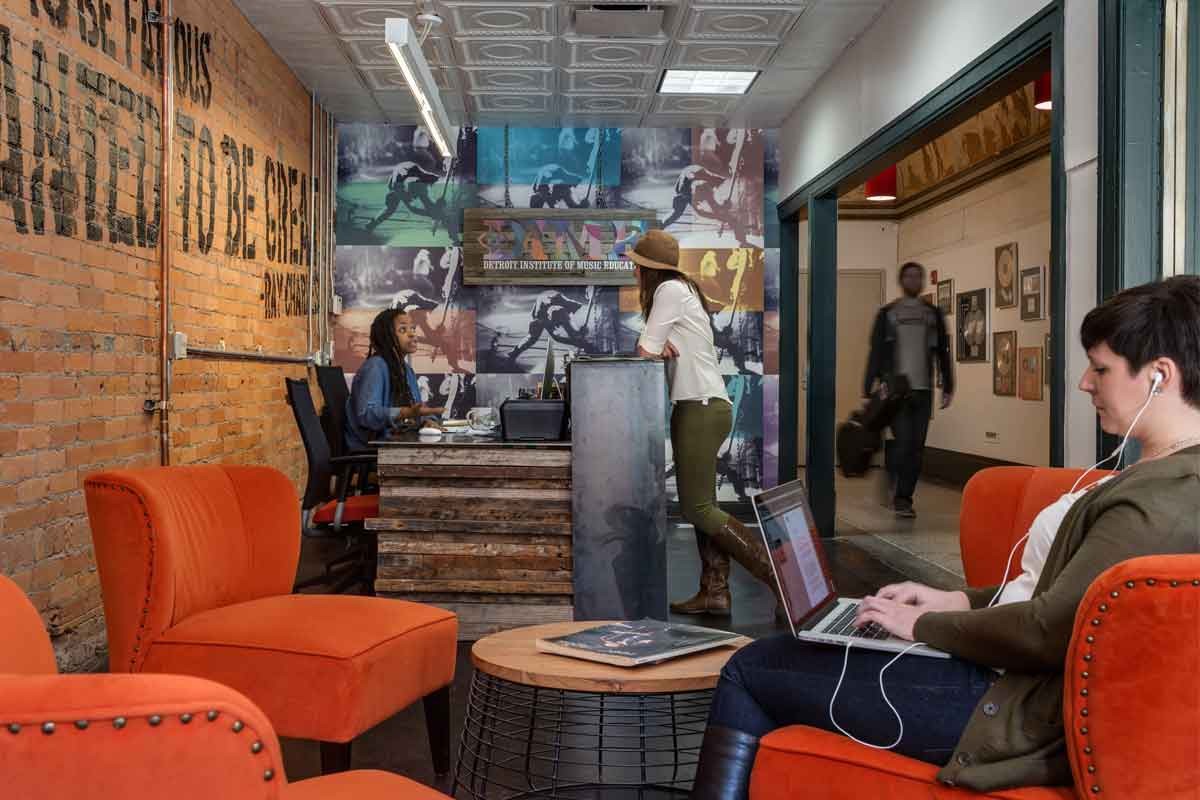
pixel 843 625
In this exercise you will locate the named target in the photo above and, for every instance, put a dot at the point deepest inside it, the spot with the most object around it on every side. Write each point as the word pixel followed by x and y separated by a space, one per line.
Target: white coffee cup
pixel 482 419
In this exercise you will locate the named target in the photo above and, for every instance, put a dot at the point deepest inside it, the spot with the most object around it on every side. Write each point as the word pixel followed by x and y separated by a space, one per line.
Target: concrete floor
pixel 872 548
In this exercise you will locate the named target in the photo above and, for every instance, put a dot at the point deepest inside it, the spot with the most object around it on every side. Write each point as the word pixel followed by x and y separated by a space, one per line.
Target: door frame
pixel 1020 57
pixel 803 275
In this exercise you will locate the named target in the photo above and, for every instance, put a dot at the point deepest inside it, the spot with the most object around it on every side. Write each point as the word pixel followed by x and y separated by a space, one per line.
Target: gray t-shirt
pixel 910 315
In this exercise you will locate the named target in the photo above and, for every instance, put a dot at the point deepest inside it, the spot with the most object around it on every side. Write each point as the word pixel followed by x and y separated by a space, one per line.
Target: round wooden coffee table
pixel 546 725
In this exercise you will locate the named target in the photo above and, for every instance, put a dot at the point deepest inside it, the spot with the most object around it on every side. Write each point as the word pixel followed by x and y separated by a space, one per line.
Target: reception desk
pixel 478 526
pixel 507 534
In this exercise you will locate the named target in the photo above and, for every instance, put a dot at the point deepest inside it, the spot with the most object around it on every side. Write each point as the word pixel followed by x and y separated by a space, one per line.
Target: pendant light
pixel 1042 92
pixel 882 187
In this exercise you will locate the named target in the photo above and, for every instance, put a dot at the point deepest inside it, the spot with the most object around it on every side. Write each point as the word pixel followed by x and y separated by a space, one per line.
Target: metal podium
pixel 618 503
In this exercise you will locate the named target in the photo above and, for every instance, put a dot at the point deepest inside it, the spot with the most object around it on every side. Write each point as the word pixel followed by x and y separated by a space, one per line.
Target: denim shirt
pixel 369 411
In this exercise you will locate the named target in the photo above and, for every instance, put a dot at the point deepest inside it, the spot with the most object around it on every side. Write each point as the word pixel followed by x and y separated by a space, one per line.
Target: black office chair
pixel 329 510
pixel 332 380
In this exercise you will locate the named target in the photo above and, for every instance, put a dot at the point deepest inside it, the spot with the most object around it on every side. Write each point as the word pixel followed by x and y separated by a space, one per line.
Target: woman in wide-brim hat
pixel 678 328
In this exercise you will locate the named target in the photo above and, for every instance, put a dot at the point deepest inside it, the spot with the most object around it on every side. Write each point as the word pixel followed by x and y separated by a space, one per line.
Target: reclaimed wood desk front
pixel 478 526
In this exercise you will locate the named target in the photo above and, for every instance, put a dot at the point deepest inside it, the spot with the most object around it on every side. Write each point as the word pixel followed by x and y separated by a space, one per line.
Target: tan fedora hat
pixel 658 250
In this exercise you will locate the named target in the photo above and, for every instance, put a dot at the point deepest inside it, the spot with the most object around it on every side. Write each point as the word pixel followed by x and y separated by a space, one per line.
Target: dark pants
pixel 781 681
pixel 902 456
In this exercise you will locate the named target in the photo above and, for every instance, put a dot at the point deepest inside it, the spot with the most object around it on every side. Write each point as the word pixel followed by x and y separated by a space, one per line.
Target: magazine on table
pixel 631 644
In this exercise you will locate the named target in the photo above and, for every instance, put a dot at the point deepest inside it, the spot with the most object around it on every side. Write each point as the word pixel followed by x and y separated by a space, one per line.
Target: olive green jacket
pixel 1015 736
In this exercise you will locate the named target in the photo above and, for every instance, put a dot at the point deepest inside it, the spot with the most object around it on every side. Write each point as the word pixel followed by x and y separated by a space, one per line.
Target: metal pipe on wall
pixel 164 236
pixel 331 223
pixel 312 203
pixel 247 355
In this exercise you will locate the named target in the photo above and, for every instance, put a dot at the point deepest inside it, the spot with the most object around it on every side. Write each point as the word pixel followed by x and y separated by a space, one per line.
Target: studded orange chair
pixel 1132 702
pixel 196 567
pixel 103 737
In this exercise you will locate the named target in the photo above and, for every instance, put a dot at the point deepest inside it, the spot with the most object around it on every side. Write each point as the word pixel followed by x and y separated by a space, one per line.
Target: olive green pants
pixel 697 432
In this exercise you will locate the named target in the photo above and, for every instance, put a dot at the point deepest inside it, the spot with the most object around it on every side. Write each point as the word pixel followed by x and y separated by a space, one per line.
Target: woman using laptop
pixel 990 716
pixel 679 329
pixel 385 392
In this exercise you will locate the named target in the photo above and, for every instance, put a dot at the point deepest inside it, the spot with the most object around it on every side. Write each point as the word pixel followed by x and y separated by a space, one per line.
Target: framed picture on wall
pixel 1046 361
pixel 973 325
pixel 945 296
pixel 1033 294
pixel 1006 275
pixel 1004 365
pixel 1031 373
pixel 930 297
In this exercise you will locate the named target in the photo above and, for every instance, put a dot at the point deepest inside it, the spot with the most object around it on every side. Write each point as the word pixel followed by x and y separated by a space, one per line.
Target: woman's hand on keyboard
pixel 898 619
pixel 924 597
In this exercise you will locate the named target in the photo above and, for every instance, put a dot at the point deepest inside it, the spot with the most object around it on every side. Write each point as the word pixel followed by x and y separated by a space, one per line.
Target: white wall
pixel 862 244
pixel 958 238
pixel 914 46
pixel 1080 154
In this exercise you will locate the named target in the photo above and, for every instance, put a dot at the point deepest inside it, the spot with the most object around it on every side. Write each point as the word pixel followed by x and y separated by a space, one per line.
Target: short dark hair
pixel 907 265
pixel 1154 320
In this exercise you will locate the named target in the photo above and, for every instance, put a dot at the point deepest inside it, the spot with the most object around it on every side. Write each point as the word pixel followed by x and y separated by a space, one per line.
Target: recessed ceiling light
pixel 703 81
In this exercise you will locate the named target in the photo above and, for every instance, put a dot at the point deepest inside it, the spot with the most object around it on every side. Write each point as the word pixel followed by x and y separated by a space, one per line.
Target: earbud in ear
pixel 1157 379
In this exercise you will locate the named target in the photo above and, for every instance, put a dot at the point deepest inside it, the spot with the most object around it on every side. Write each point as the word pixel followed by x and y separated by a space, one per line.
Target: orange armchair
pixel 1131 699
pixel 123 736
pixel 196 567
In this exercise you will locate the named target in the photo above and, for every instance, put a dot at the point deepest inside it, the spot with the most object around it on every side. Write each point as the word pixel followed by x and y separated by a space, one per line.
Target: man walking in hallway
pixel 909 335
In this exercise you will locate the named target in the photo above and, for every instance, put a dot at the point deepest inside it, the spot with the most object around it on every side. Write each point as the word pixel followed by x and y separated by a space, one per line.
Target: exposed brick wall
pixel 80 283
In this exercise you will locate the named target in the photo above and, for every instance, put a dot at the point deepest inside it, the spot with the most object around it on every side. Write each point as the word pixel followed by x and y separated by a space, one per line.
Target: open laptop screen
pixel 799 561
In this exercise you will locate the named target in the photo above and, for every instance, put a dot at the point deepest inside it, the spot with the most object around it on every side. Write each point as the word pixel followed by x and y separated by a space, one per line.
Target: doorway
pixel 860 293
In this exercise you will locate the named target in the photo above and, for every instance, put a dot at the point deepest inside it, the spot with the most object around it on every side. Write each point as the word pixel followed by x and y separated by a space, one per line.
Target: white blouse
pixel 678 317
pixel 1041 537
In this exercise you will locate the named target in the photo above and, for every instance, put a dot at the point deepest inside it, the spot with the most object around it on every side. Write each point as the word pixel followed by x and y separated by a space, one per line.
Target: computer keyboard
pixel 843 625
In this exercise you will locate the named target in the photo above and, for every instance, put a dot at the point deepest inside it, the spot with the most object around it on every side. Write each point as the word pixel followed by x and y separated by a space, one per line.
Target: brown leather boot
pixel 713 597
pixel 746 547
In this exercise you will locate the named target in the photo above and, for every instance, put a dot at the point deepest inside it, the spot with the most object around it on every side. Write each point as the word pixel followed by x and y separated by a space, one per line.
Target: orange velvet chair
pixel 104 737
pixel 1131 701
pixel 196 567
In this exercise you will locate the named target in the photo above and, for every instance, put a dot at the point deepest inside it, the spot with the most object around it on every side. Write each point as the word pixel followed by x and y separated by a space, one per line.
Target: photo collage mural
pixel 399 237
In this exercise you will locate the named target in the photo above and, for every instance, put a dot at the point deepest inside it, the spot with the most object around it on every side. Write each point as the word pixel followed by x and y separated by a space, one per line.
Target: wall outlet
pixel 991 436
pixel 178 345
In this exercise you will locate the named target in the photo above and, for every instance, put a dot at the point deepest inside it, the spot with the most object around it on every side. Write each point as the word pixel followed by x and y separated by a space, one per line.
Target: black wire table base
pixel 528 742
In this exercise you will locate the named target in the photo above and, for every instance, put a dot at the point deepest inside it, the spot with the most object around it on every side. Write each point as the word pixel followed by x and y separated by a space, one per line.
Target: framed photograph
pixel 1031 373
pixel 1046 361
pixel 1006 275
pixel 945 296
pixel 1004 365
pixel 930 298
pixel 973 325
pixel 1033 294
pixel 937 381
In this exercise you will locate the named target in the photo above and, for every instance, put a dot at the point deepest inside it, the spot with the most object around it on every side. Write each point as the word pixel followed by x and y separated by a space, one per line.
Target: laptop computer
pixel 814 611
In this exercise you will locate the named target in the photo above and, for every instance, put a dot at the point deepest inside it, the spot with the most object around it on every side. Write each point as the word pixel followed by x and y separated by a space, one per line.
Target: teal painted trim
pixel 1130 206
pixel 1193 140
pixel 1034 36
pixel 1131 95
pixel 822 360
pixel 789 351
pixel 1058 253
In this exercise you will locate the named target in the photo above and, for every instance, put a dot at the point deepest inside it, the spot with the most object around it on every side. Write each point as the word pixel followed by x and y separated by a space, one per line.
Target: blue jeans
pixel 781 681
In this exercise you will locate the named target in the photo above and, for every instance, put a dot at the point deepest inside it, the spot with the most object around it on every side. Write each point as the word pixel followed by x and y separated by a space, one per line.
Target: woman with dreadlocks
pixel 385 393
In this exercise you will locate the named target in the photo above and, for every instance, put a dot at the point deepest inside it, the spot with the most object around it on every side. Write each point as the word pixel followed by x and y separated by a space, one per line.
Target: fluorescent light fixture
pixel 703 81
pixel 405 45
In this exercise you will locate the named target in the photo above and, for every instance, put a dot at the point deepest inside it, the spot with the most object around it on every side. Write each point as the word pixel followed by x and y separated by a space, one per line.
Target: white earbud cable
pixel 882 691
pixel 1120 449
